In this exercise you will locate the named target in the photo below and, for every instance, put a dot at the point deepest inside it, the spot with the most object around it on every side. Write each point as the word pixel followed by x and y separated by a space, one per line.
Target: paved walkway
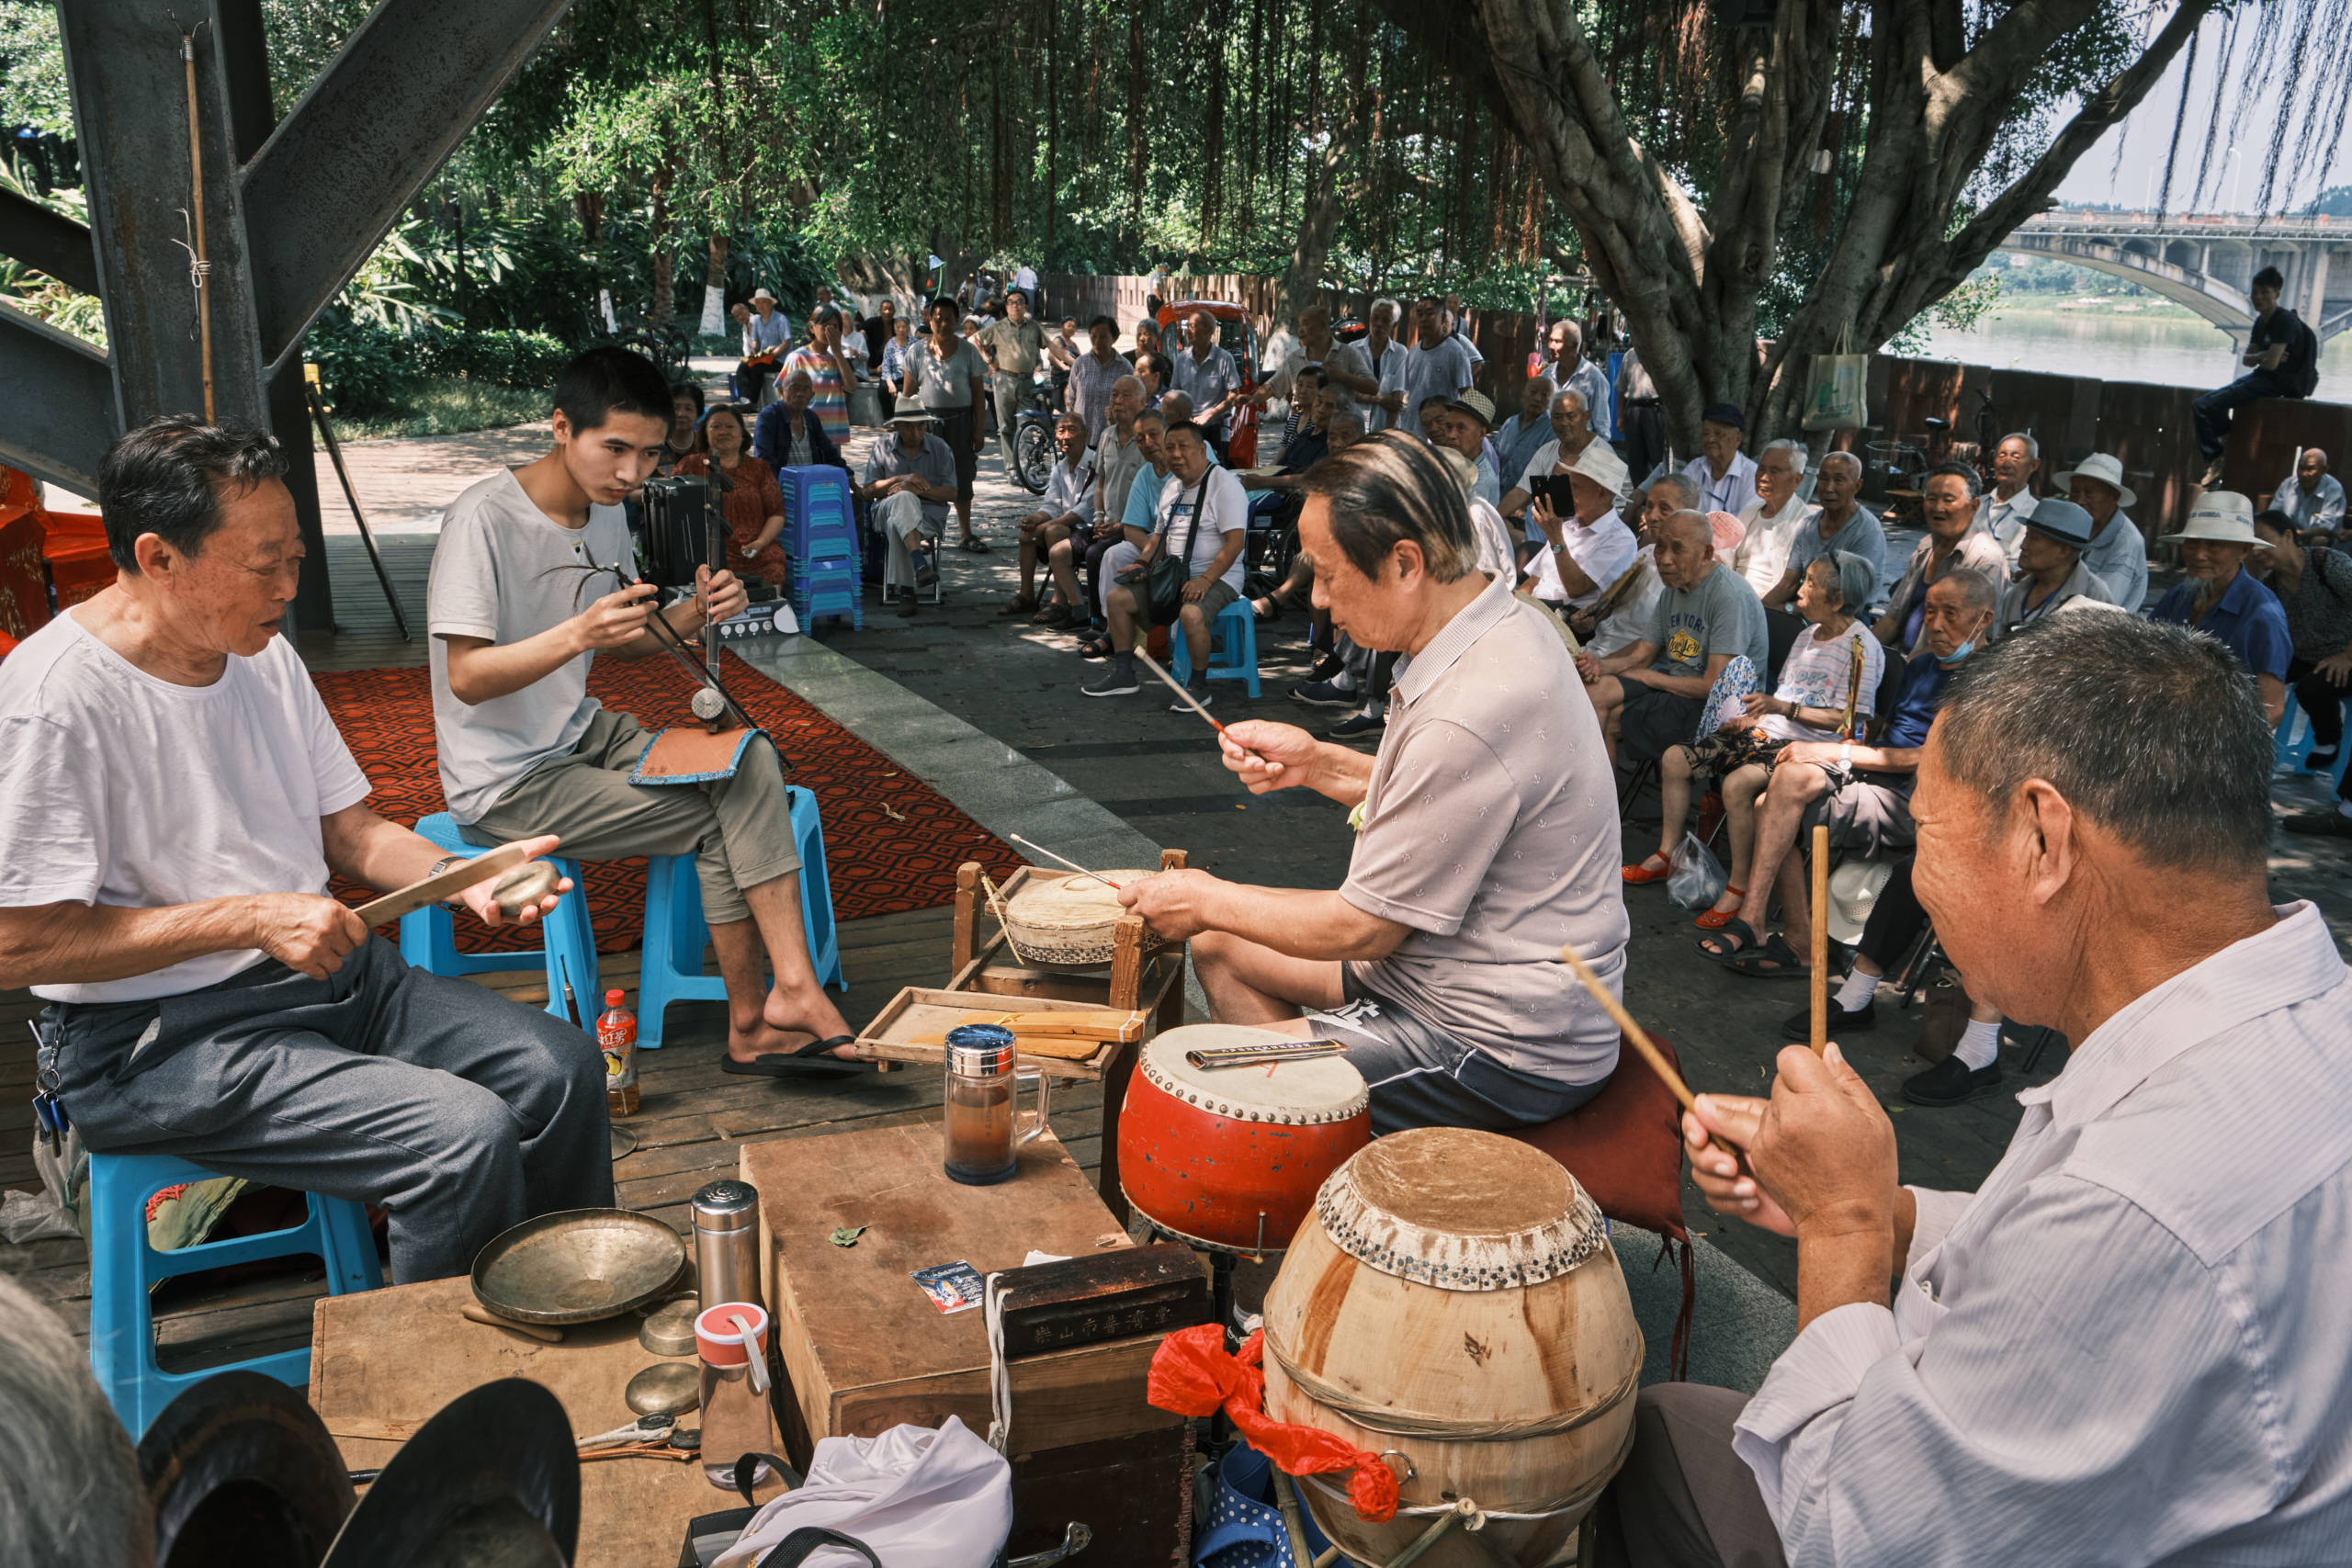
pixel 988 710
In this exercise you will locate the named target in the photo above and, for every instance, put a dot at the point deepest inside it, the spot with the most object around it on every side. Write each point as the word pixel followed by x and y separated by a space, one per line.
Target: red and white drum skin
pixel 1231 1158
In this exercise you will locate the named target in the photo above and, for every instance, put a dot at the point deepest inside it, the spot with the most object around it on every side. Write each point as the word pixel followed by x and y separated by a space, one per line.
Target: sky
pixel 2145 139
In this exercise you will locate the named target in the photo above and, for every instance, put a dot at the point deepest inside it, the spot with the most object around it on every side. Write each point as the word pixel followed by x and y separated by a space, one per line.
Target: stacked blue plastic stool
pixel 1233 648
pixel 429 941
pixel 123 1268
pixel 676 931
pixel 820 535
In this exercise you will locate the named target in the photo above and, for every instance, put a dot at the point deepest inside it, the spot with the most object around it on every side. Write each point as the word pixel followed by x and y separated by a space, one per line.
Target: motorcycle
pixel 1033 434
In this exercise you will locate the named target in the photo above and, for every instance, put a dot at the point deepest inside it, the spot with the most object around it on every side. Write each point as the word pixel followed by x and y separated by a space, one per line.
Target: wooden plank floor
pixel 690 1124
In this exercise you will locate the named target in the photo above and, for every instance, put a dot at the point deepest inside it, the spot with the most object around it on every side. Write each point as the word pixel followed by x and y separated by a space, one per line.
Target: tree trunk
pixel 1325 195
pixel 1689 282
pixel 666 256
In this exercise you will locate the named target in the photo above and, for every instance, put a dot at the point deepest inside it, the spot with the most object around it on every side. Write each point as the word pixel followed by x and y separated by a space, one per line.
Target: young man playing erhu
pixel 524 596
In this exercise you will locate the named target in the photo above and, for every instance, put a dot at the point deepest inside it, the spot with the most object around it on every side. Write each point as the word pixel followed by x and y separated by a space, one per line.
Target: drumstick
pixel 1642 1042
pixel 1059 861
pixel 1190 701
pixel 1820 938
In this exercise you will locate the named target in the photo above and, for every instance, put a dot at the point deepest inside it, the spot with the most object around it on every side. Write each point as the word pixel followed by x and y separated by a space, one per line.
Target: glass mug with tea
pixel 982 1085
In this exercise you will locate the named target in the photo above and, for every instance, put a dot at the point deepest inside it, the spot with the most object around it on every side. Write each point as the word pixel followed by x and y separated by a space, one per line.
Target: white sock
pixel 1377 708
pixel 1856 993
pixel 1980 1045
pixel 1345 681
pixel 2344 808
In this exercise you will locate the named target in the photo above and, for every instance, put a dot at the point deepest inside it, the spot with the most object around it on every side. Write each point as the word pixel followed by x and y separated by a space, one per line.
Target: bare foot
pixel 811 1013
pixel 762 1038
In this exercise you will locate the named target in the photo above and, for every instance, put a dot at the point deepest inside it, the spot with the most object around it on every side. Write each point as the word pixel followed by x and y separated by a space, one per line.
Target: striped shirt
pixel 830 403
pixel 2128 1346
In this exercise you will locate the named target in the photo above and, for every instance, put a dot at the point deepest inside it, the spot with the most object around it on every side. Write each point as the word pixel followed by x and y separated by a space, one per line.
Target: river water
pixel 2165 349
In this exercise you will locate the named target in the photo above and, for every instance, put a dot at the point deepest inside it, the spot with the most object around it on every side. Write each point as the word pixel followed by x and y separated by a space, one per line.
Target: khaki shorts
pixel 1213 604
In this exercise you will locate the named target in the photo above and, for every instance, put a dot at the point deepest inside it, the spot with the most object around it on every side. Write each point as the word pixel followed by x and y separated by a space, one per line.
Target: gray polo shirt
pixel 933 464
pixel 1490 827
pixel 1205 380
pixel 500 573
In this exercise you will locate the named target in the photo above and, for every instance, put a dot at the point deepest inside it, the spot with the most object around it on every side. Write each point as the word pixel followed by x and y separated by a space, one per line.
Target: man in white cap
pixel 2051 573
pixel 2011 500
pixel 910 480
pixel 2224 601
pixel 1472 417
pixel 2118 552
pixel 1773 519
pixel 2311 495
pixel 767 332
pixel 1586 546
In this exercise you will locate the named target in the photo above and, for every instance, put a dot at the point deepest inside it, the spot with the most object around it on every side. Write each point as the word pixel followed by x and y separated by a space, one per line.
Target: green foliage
pixel 32 69
pixel 364 366
pixel 443 406
pixel 525 360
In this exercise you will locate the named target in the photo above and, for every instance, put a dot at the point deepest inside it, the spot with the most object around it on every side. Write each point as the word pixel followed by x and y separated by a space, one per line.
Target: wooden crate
pixel 926 1009
pixel 384 1362
pixel 865 1349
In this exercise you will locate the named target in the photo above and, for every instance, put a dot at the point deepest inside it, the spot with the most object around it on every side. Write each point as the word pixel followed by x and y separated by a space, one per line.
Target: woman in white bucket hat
pixel 2224 601
pixel 2118 552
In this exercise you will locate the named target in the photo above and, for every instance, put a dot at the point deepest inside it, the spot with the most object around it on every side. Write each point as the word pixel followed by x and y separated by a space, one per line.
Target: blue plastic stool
pixel 1235 634
pixel 675 932
pixel 123 1268
pixel 2292 748
pixel 429 941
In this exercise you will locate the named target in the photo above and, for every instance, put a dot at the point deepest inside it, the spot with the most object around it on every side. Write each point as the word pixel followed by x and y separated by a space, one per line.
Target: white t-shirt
pixel 1601 552
pixel 1763 557
pixel 120 788
pixel 503 571
pixel 1423 373
pixel 1225 508
pixel 1815 675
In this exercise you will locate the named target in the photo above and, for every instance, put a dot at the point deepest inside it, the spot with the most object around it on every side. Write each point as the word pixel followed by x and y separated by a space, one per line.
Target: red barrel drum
pixel 1230 1158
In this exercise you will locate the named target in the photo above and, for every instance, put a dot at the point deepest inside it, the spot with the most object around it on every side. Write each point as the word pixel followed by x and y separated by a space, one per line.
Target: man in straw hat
pixel 910 480
pixel 2222 600
pixel 2126 1345
pixel 2118 552
pixel 2050 560
pixel 1441 972
pixel 1586 546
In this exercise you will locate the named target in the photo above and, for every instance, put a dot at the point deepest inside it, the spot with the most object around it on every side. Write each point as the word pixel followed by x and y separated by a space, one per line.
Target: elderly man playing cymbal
pixel 1442 971
pixel 173 797
pixel 2128 1346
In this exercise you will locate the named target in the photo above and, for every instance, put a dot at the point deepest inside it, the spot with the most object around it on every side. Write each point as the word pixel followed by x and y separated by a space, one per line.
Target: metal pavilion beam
pixel 291 209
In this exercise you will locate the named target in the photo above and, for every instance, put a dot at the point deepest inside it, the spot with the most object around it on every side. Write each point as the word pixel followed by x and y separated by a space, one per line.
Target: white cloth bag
pixel 920 1497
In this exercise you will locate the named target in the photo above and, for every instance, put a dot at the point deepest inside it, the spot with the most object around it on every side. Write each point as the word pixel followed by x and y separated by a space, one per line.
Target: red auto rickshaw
pixel 1238 338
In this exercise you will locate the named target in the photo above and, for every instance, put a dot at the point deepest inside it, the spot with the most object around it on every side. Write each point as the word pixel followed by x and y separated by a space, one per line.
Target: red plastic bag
pixel 1191 1374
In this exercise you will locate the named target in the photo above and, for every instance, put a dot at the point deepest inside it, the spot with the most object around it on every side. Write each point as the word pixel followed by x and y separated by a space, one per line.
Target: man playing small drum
pixel 2128 1346
pixel 173 795
pixel 1488 820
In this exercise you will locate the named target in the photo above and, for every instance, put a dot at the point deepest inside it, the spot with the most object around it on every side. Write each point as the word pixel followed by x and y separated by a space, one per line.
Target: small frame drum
pixel 1066 920
pixel 1230 1158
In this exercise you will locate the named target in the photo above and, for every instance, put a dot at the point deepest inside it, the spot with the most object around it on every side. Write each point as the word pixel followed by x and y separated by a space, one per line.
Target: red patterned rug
pixel 891 842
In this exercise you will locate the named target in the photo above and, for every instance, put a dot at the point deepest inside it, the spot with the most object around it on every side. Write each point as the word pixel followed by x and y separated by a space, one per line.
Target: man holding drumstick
pixel 1488 825
pixel 173 796
pixel 2128 1346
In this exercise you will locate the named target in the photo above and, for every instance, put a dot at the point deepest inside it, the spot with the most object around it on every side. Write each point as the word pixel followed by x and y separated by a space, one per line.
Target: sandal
pixel 814 1060
pixel 1715 919
pixel 1730 930
pixel 1640 876
pixel 1019 604
pixel 1271 612
pixel 1776 960
pixel 973 544
pixel 1095 647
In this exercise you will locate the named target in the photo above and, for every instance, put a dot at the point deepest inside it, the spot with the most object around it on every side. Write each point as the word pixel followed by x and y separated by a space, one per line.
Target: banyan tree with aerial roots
pixel 1728 171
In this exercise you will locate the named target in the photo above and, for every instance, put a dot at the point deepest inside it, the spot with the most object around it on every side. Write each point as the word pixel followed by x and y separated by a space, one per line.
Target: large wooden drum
pixel 1068 921
pixel 1230 1157
pixel 1456 1300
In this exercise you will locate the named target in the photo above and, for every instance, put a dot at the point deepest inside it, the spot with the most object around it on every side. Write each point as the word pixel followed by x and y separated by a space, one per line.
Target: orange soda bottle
pixel 616 1038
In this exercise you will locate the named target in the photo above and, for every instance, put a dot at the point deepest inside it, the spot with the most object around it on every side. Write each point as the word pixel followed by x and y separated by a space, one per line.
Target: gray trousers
pixel 1684 1499
pixel 462 1112
pixel 738 830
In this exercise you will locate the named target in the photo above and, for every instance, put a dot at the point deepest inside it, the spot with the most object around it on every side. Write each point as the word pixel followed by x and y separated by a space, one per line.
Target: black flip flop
pixel 814 1060
pixel 975 545
pixel 1782 959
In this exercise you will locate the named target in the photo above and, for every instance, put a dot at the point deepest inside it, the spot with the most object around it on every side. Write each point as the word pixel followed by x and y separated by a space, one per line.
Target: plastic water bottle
pixel 616 1038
